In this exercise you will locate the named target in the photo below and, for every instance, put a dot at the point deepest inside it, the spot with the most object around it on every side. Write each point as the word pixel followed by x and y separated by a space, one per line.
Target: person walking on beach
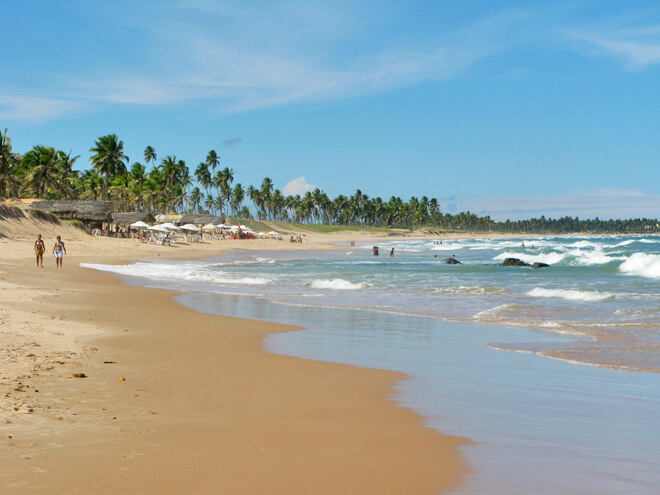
pixel 59 251
pixel 39 249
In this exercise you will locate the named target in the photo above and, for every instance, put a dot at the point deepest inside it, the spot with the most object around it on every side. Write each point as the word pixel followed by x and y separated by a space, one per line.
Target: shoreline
pixel 251 422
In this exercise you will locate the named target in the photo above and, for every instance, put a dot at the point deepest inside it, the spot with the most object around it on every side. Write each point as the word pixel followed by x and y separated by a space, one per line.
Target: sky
pixel 512 109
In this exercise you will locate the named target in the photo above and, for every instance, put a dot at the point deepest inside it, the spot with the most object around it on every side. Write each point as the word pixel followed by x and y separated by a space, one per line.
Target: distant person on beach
pixel 39 249
pixel 392 252
pixel 59 251
pixel 375 250
pixel 522 245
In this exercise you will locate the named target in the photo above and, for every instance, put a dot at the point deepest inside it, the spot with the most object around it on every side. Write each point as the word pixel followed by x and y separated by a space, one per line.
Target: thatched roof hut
pixel 125 219
pixel 86 211
pixel 201 219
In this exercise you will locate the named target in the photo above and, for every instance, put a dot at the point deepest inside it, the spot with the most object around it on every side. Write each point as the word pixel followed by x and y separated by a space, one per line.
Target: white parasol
pixel 140 225
pixel 190 227
pixel 158 228
pixel 169 226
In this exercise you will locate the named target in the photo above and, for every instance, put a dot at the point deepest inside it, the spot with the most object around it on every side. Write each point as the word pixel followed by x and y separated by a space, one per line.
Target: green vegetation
pixel 46 173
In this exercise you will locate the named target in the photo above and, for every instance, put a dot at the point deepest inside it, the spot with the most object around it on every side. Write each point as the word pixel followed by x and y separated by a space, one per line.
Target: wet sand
pixel 202 407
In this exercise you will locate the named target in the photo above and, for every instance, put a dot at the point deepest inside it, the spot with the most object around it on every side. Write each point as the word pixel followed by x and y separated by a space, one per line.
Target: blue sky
pixel 514 109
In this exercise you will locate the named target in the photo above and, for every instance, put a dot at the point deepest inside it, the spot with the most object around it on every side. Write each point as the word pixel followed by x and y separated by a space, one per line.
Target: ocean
pixel 551 372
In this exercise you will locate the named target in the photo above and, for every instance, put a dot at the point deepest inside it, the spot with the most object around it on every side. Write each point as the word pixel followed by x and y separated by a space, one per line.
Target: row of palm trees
pixel 46 173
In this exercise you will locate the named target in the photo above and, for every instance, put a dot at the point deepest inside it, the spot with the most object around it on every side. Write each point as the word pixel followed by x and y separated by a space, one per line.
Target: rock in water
pixel 539 265
pixel 452 261
pixel 514 262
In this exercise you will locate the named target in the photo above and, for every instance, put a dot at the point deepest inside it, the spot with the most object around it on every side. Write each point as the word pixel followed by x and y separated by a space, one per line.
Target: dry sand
pixel 202 409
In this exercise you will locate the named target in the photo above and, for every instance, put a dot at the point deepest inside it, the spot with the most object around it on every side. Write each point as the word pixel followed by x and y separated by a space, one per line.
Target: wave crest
pixel 571 294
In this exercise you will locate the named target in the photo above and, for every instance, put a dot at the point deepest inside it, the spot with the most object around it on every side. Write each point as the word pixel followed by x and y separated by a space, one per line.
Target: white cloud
pixel 636 54
pixel 269 54
pixel 34 108
pixel 604 204
pixel 298 186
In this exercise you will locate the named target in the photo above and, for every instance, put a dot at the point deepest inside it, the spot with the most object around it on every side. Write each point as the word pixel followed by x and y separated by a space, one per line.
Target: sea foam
pixel 642 265
pixel 337 284
pixel 180 272
pixel 571 294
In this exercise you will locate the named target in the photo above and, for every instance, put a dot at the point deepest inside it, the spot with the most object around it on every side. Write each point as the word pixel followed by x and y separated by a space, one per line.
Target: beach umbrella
pixel 210 226
pixel 224 227
pixel 272 232
pixel 158 228
pixel 190 227
pixel 169 226
pixel 140 225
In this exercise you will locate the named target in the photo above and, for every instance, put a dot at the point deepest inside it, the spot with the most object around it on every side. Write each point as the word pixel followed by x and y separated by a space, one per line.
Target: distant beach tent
pixel 189 227
pixel 140 225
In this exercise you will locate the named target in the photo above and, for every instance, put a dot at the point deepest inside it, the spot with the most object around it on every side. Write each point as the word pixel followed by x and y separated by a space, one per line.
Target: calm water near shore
pixel 475 339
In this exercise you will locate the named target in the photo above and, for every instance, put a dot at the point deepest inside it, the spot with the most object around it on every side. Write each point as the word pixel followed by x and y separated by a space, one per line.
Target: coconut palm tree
pixel 203 176
pixel 9 171
pixel 108 159
pixel 150 155
pixel 212 160
pixel 45 176
pixel 237 197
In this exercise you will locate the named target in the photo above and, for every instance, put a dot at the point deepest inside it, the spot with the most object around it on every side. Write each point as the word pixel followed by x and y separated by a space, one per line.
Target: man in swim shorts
pixel 39 249
pixel 59 251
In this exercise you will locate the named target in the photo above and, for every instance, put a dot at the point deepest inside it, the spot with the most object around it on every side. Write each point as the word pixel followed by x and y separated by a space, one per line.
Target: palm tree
pixel 9 179
pixel 209 202
pixel 108 159
pixel 212 160
pixel 44 172
pixel 150 155
pixel 237 197
pixel 196 198
pixel 203 176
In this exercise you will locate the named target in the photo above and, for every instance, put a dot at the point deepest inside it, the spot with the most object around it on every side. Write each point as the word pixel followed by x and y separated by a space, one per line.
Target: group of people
pixel 59 250
pixel 377 252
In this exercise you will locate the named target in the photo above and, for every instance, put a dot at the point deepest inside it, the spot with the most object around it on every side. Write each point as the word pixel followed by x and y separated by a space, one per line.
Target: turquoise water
pixel 475 339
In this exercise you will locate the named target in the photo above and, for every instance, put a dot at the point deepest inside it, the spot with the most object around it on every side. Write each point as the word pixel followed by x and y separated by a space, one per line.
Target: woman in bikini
pixel 39 248
pixel 59 251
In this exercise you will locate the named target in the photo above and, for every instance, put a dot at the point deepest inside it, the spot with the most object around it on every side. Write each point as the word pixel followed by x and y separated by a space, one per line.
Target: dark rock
pixel 514 262
pixel 539 265
pixel 452 261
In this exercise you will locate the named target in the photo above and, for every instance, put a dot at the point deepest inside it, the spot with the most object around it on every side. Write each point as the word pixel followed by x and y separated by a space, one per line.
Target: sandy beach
pixel 169 400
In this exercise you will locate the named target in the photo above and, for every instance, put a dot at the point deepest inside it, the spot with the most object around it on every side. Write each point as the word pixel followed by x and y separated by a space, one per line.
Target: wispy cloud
pixel 34 108
pixel 232 142
pixel 604 204
pixel 637 48
pixel 242 57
